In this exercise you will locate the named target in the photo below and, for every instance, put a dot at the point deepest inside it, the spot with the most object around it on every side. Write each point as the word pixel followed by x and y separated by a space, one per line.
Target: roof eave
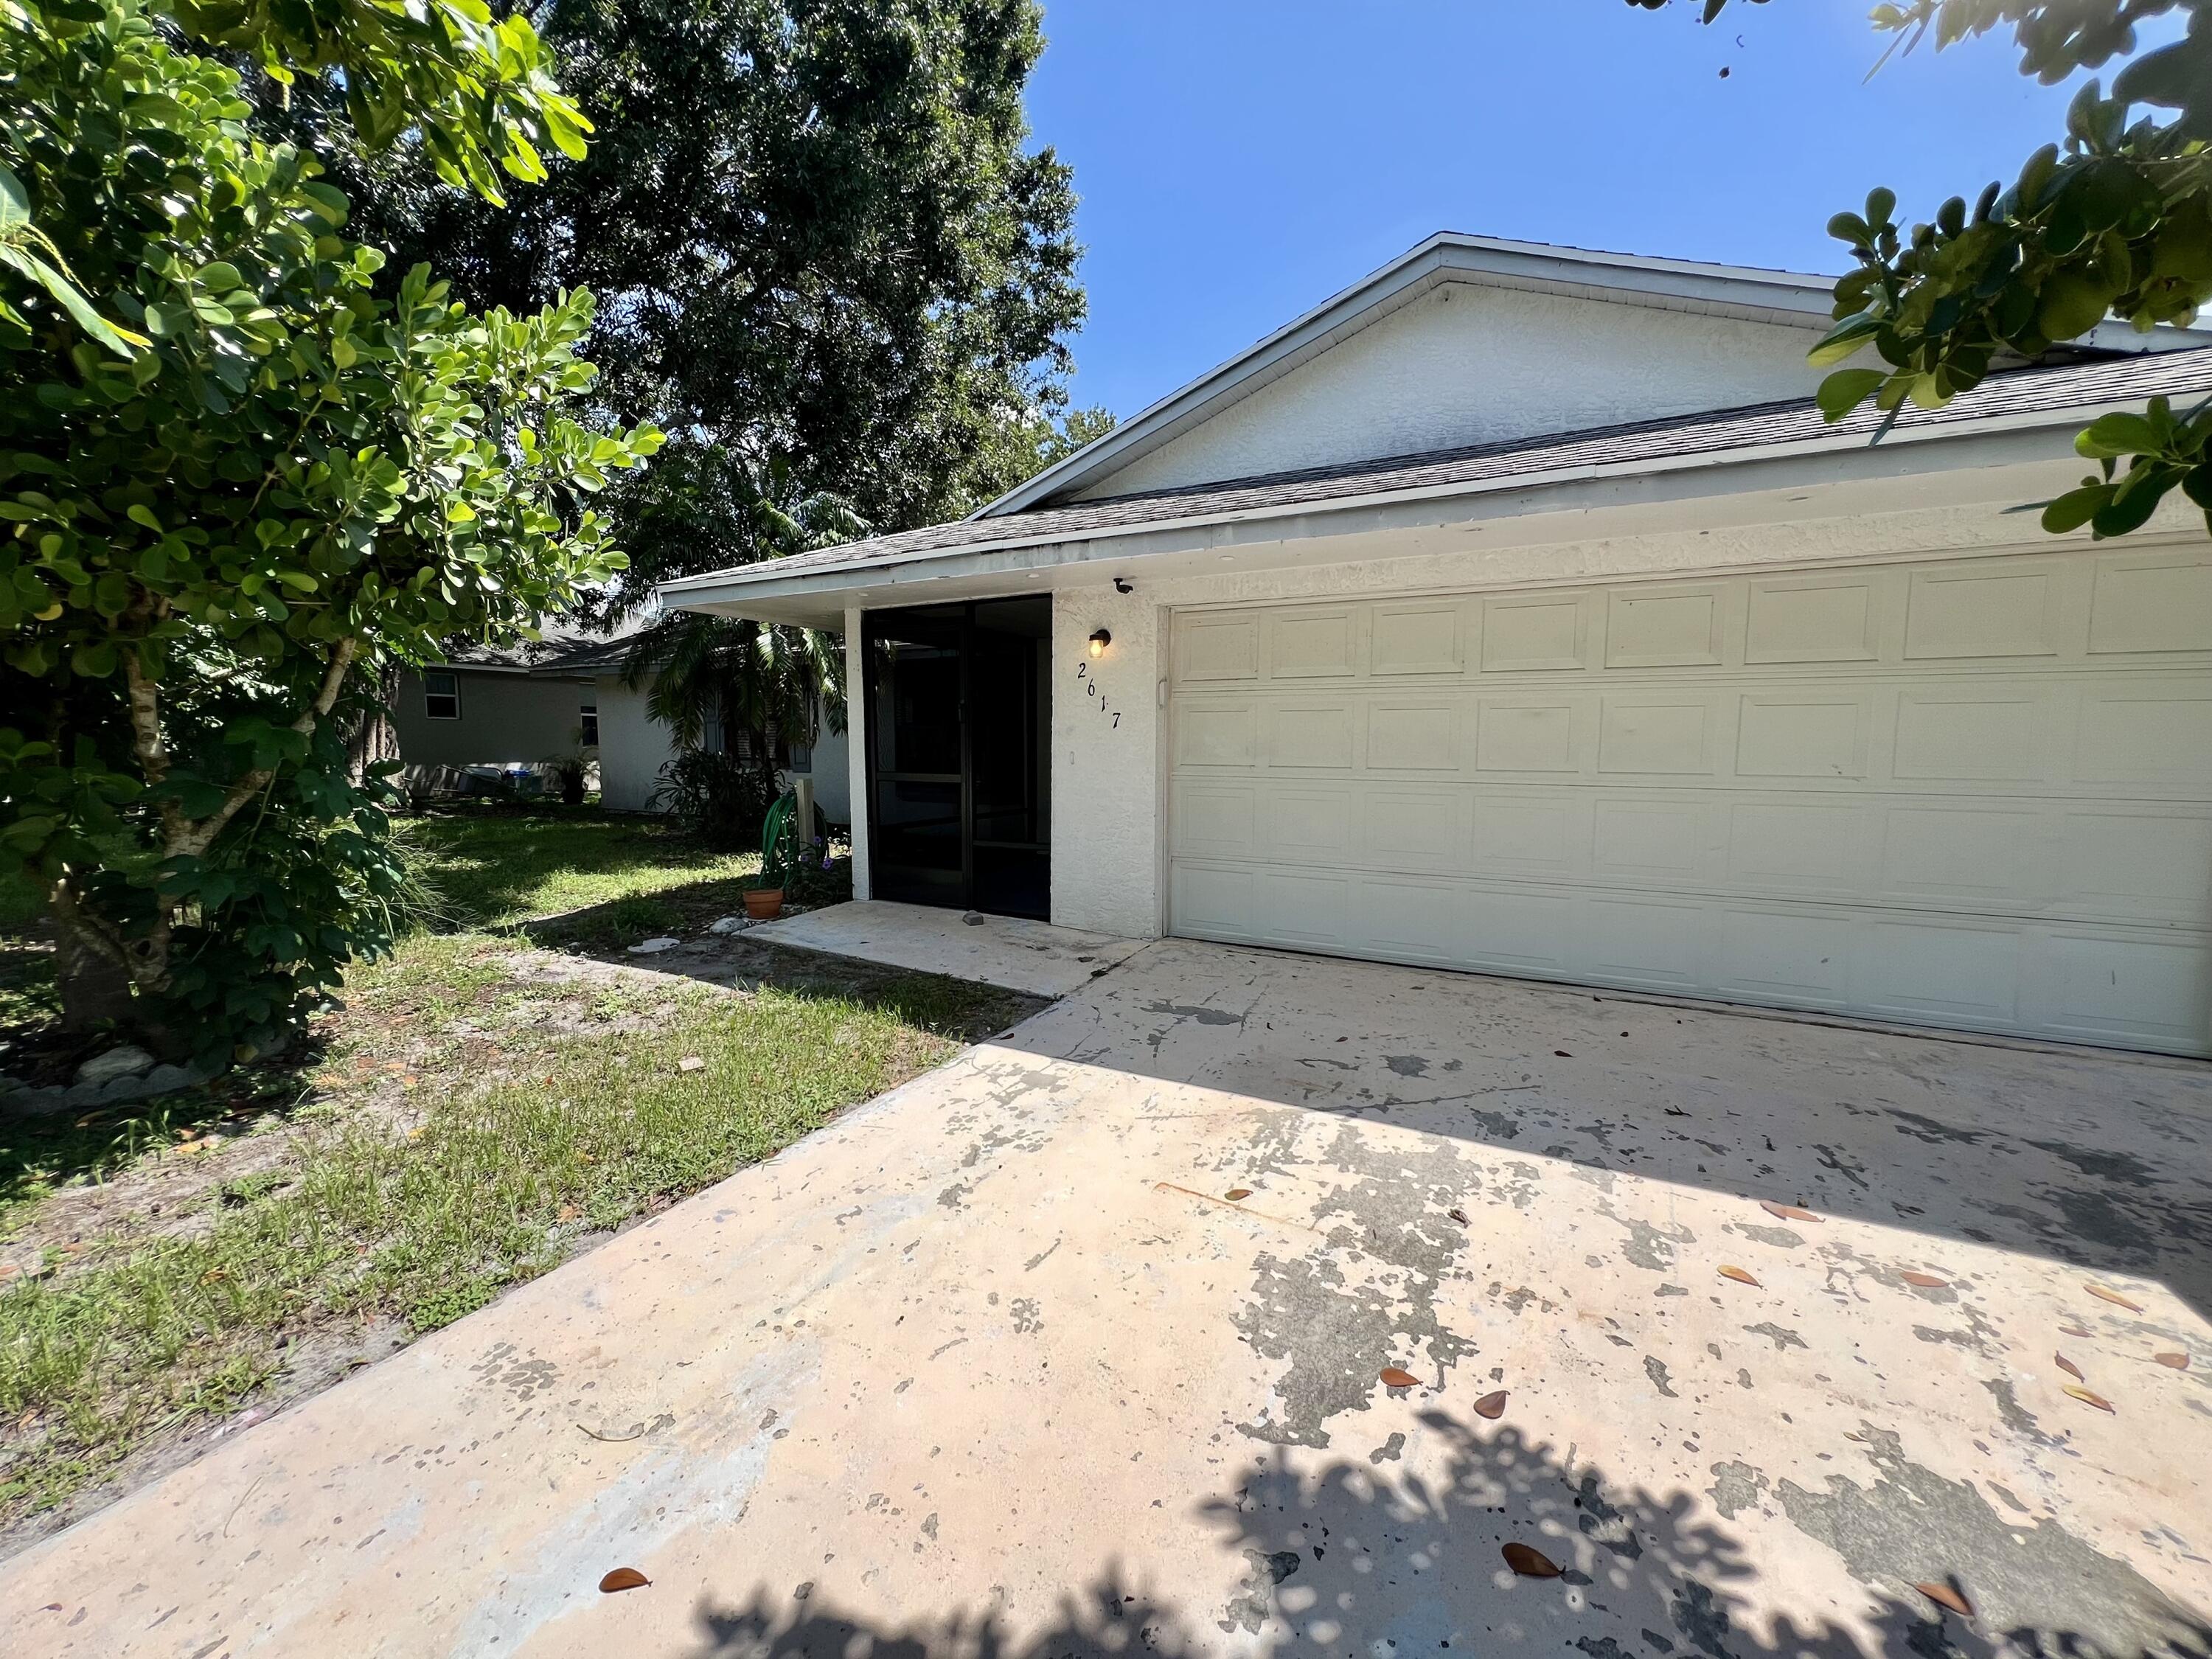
pixel 761 584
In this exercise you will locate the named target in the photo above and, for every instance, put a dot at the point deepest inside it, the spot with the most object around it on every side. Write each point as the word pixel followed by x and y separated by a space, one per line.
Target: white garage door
pixel 1974 795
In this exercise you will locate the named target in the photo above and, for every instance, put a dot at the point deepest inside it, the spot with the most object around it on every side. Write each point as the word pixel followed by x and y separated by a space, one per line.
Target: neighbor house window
pixel 441 696
pixel 589 723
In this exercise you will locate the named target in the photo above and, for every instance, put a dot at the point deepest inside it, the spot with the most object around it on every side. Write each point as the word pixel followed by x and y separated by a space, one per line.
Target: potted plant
pixel 568 772
pixel 763 897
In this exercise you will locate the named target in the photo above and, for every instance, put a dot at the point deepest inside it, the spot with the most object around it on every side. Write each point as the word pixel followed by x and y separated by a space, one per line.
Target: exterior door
pixel 1974 793
pixel 958 718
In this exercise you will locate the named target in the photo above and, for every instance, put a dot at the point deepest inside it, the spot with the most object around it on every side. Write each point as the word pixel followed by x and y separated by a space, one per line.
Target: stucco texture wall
pixel 1466 364
pixel 1105 771
pixel 633 748
pixel 506 719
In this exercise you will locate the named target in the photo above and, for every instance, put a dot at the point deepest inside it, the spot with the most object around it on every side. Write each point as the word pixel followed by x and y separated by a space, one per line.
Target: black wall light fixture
pixel 1099 642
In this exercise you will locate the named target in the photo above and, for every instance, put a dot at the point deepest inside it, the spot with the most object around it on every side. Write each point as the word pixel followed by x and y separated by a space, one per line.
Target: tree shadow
pixel 1402 1554
pixel 2102 1162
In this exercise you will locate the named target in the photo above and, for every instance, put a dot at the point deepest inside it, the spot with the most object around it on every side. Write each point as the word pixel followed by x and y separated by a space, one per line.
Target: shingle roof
pixel 2020 392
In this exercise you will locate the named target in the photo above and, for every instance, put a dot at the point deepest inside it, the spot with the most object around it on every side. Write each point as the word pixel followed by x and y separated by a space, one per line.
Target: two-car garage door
pixel 1974 793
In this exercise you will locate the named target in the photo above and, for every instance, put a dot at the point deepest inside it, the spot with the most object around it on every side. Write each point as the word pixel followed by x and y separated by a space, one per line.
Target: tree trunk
pixel 376 738
pixel 95 987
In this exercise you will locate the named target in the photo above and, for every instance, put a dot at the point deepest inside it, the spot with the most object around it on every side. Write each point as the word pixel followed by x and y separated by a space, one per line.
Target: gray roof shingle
pixel 2019 392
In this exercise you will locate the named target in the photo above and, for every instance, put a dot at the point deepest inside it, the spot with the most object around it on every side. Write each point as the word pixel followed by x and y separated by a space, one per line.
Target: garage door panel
pixel 1813 619
pixel 1963 856
pixel 1310 645
pixel 1647 942
pixel 1642 839
pixel 1941 970
pixel 2156 734
pixel 1215 821
pixel 1532 833
pixel 1418 830
pixel 1413 737
pixel 1669 628
pixel 1309 826
pixel 1794 958
pixel 2103 988
pixel 1802 734
pixel 2140 865
pixel 1959 734
pixel 1418 637
pixel 1816 847
pixel 1310 736
pixel 1983 610
pixel 1976 793
pixel 1526 735
pixel 2152 602
pixel 1649 734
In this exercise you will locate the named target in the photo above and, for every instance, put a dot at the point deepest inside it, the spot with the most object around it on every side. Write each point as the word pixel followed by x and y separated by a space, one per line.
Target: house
pixel 1515 610
pixel 525 705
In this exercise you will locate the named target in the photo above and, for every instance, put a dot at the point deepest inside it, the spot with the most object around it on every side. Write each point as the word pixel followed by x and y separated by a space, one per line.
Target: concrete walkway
pixel 1007 952
pixel 1075 1346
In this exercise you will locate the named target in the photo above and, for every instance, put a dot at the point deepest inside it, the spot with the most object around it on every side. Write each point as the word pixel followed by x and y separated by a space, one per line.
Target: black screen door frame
pixel 919 884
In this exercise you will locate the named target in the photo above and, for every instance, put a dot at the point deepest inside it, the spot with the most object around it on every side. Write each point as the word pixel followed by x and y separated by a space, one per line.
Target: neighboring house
pixel 1515 610
pixel 528 704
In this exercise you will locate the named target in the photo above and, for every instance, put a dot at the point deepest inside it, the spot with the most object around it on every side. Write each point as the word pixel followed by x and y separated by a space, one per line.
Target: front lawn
pixel 480 1108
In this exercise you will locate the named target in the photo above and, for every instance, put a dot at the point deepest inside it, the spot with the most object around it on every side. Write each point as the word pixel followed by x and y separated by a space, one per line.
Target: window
pixel 588 730
pixel 441 696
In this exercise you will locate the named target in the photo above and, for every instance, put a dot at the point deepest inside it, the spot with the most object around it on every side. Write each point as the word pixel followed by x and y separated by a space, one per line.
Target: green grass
pixel 459 1128
pixel 493 867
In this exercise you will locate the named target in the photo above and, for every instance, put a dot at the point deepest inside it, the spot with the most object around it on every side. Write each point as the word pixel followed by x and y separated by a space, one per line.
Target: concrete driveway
pixel 998 1365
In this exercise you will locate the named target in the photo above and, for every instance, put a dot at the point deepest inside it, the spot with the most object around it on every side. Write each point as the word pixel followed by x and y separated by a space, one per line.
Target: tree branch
pixel 195 840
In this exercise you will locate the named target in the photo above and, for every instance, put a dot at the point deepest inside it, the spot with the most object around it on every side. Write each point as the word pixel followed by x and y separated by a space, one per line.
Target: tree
pixel 767 680
pixel 820 236
pixel 290 481
pixel 2114 220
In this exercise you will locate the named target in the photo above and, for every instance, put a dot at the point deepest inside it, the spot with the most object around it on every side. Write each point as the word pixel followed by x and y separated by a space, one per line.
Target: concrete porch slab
pixel 1007 952
pixel 1075 1347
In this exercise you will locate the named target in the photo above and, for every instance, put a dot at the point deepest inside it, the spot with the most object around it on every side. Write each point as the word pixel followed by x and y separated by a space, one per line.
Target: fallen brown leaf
pixel 1740 1276
pixel 2073 1330
pixel 1395 1378
pixel 1944 1596
pixel 2172 1362
pixel 1786 1212
pixel 1459 1216
pixel 1490 1405
pixel 2070 1368
pixel 2089 1398
pixel 1235 1193
pixel 1529 1563
pixel 1562 1054
pixel 1925 1281
pixel 622 1579
pixel 2112 1296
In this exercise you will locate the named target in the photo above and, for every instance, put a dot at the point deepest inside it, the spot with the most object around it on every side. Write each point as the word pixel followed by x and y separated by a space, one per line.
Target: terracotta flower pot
pixel 763 903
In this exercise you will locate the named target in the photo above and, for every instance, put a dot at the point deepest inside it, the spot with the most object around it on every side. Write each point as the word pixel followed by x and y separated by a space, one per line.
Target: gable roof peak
pixel 1745 291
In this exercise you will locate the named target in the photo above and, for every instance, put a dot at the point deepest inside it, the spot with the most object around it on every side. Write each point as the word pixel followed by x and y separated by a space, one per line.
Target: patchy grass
pixel 494 866
pixel 478 1111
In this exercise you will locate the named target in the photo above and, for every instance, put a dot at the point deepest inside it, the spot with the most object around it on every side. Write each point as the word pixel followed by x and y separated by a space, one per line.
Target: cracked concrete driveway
pixel 1076 1345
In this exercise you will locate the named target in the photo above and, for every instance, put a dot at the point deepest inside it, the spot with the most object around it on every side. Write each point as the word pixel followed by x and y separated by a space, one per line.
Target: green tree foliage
pixel 771 680
pixel 206 534
pixel 2115 220
pixel 819 235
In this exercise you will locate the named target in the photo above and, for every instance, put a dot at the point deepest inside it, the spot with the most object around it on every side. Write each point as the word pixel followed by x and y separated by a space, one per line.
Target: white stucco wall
pixel 633 748
pixel 1105 774
pixel 1468 364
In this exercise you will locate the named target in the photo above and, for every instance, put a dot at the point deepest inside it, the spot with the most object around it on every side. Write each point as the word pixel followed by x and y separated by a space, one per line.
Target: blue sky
pixel 1239 162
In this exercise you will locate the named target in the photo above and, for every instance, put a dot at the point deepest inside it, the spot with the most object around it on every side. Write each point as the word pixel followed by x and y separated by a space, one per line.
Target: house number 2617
pixel 1091 687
